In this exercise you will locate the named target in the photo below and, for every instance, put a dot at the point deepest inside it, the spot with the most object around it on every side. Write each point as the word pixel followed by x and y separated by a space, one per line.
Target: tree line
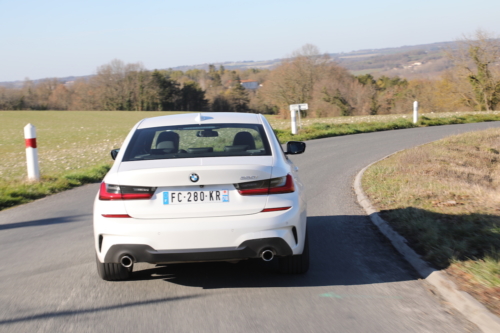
pixel 472 83
pixel 306 76
pixel 128 87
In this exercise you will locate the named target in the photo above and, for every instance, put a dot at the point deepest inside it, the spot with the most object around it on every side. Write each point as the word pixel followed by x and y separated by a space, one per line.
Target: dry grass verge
pixel 444 198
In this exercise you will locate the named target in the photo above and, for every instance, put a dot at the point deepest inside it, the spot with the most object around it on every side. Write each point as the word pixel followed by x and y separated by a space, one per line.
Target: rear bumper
pixel 248 249
pixel 198 239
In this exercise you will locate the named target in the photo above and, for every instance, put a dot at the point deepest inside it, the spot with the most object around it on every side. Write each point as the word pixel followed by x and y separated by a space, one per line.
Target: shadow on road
pixel 34 223
pixel 338 257
pixel 58 314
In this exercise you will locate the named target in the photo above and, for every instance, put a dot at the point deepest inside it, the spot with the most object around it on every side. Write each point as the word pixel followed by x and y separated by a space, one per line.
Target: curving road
pixel 357 281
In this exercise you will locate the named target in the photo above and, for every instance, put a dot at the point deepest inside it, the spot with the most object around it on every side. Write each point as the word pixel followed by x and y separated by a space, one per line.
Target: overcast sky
pixel 55 38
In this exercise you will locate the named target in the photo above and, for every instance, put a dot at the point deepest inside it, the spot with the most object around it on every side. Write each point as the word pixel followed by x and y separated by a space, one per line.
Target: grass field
pixel 74 146
pixel 444 198
pixel 80 139
pixel 66 140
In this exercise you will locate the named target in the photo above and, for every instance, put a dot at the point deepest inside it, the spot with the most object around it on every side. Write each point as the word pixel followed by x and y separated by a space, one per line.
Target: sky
pixel 55 38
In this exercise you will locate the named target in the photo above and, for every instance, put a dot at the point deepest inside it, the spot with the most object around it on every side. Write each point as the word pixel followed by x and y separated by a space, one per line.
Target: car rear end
pixel 200 187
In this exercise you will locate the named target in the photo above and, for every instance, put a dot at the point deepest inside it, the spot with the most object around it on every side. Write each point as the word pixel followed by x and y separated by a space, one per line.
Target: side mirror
pixel 114 153
pixel 295 147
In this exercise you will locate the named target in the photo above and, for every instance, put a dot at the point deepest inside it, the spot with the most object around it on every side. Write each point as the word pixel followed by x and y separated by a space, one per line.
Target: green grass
pixel 325 130
pixel 466 119
pixel 78 142
pixel 16 193
pixel 284 124
pixel 67 140
pixel 485 271
pixel 73 149
pixel 445 238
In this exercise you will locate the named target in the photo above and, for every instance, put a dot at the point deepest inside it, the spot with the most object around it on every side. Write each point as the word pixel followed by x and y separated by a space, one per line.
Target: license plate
pixel 193 197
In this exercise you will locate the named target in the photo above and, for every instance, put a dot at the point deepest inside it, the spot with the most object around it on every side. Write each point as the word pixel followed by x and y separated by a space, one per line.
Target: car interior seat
pixel 244 139
pixel 168 141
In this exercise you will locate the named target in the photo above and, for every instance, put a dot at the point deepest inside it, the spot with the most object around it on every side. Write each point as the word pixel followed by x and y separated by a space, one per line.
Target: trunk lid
pixel 216 175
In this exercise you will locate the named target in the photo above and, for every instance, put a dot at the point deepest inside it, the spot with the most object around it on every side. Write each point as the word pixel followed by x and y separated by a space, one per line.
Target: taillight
pixel 117 216
pixel 119 192
pixel 269 186
pixel 277 209
pixel 253 188
pixel 285 186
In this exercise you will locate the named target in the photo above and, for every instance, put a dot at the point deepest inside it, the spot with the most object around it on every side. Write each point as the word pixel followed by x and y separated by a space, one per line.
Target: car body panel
pixel 206 118
pixel 201 233
pixel 212 170
pixel 201 226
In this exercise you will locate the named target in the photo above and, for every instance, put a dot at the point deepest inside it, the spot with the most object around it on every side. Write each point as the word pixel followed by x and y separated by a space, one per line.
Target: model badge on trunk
pixel 194 177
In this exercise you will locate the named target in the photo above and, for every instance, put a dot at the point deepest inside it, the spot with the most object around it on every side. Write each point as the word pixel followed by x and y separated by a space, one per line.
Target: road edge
pixel 460 300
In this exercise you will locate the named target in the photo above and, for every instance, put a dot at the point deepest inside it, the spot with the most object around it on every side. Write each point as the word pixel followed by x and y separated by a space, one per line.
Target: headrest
pixel 165 145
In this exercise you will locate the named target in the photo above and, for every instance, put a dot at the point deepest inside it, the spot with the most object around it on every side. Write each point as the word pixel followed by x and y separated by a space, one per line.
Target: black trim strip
pixel 248 249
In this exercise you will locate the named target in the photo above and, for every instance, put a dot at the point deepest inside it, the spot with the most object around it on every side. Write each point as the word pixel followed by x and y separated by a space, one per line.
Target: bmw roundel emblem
pixel 194 177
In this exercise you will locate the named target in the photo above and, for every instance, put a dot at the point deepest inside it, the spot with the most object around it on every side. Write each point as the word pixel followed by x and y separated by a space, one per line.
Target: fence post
pixel 31 152
pixel 415 112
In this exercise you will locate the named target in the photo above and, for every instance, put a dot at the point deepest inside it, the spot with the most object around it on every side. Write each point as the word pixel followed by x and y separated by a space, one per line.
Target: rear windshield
pixel 188 141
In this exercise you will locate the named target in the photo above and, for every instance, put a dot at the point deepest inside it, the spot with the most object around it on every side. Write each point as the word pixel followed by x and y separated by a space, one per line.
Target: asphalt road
pixel 357 281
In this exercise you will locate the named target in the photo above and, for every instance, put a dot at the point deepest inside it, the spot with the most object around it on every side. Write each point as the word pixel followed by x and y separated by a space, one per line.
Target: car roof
pixel 201 118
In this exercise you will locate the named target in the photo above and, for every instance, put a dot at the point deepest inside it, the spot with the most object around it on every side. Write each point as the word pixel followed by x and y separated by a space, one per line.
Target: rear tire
pixel 298 264
pixel 112 271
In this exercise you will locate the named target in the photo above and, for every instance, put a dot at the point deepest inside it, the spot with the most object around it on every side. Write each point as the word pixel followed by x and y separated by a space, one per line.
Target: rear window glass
pixel 188 141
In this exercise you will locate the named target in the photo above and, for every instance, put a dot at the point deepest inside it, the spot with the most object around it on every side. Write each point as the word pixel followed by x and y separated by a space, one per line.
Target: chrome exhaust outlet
pixel 126 261
pixel 267 255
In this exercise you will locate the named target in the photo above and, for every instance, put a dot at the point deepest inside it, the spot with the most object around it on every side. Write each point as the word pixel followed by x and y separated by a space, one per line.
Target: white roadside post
pixel 415 112
pixel 293 110
pixel 296 108
pixel 31 152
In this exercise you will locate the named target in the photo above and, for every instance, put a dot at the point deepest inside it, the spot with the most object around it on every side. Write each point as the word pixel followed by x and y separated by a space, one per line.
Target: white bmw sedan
pixel 201 187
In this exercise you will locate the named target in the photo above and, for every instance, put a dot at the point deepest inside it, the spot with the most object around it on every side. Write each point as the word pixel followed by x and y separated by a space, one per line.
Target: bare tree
pixel 43 91
pixel 109 85
pixel 11 99
pixel 339 93
pixel 293 81
pixel 60 98
pixel 85 96
pixel 476 61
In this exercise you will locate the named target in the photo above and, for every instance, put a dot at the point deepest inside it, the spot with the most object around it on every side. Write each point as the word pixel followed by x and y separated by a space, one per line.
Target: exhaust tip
pixel 267 255
pixel 126 261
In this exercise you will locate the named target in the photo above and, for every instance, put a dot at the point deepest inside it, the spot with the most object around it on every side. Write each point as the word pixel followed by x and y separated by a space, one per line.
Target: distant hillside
pixel 426 60
pixel 19 84
pixel 409 62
